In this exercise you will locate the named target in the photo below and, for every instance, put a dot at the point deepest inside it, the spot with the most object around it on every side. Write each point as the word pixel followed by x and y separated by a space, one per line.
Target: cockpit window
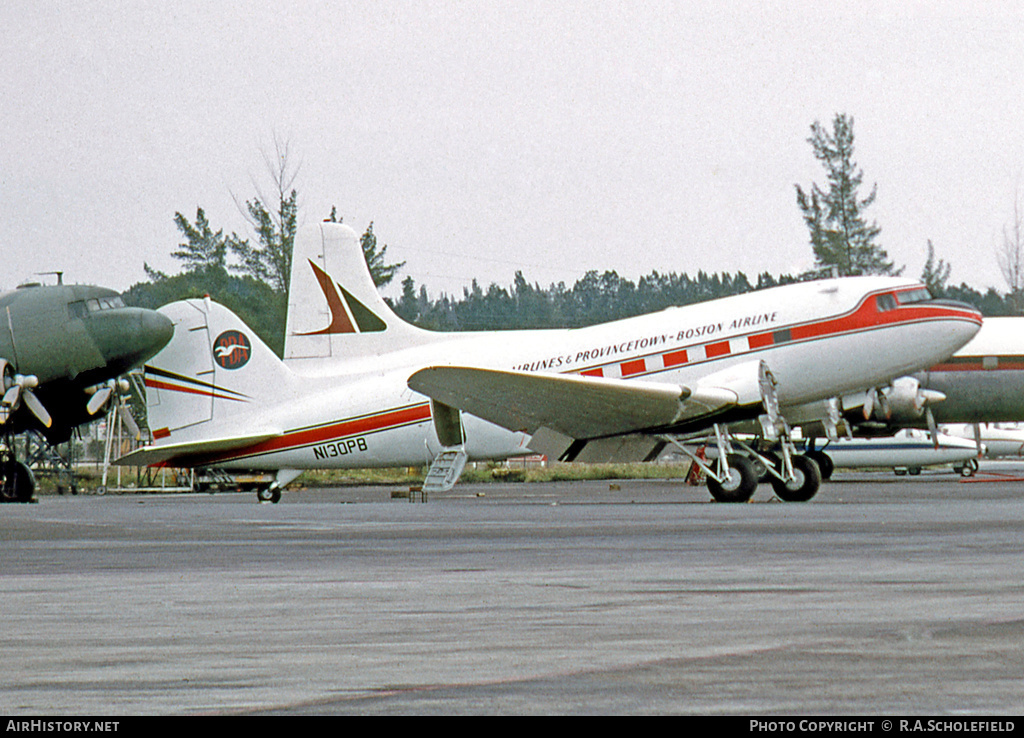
pixel 104 303
pixel 921 294
pixel 81 308
pixel 885 302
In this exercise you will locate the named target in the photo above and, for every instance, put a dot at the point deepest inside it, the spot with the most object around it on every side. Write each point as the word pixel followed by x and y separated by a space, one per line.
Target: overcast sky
pixel 482 138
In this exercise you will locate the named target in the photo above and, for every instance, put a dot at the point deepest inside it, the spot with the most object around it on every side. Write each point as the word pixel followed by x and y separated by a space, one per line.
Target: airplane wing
pixel 150 455
pixel 580 407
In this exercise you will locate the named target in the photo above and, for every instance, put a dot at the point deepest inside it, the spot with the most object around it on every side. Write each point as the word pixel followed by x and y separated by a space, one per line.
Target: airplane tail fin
pixel 214 371
pixel 334 308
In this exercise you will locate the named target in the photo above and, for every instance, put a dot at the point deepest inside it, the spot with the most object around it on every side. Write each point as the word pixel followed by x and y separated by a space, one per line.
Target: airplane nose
pixel 157 330
pixel 130 336
pixel 966 325
pixel 958 305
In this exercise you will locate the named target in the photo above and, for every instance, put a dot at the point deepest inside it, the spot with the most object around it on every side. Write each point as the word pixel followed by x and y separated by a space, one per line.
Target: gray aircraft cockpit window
pixel 82 308
pixel 104 303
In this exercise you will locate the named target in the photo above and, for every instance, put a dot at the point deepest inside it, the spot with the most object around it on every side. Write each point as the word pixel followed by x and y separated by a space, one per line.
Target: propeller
pixel 118 389
pixel 101 394
pixel 17 390
pixel 903 400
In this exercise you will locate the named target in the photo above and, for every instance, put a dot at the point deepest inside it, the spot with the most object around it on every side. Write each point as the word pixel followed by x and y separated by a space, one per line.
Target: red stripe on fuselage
pixel 978 364
pixel 865 316
pixel 291 440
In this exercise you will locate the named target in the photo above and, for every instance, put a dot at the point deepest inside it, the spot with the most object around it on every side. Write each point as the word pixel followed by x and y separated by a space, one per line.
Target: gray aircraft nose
pixel 157 330
pixel 130 336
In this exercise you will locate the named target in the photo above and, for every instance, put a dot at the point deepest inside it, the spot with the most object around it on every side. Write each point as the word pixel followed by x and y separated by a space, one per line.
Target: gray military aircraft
pixel 61 347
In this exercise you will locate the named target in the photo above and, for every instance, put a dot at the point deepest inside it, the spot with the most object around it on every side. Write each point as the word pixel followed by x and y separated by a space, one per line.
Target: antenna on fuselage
pixel 59 275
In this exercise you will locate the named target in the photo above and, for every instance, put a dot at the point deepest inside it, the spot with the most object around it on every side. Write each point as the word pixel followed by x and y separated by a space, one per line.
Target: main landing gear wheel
pixel 804 484
pixel 18 482
pixel 740 483
pixel 269 494
pixel 824 462
pixel 968 469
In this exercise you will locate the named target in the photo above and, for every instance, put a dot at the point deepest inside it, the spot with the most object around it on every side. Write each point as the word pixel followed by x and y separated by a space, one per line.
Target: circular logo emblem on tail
pixel 232 349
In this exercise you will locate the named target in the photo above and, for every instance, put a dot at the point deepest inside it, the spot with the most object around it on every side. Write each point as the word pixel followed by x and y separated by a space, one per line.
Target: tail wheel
pixel 739 485
pixel 804 484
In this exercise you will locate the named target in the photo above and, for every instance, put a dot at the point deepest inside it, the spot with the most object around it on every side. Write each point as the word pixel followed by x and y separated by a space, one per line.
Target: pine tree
pixel 840 235
pixel 935 275
pixel 203 248
pixel 271 260
pixel 381 271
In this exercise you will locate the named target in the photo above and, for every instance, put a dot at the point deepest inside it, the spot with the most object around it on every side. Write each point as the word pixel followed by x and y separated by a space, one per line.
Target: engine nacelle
pixel 904 401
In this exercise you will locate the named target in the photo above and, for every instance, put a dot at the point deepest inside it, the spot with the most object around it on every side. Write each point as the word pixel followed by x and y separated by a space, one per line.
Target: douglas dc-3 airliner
pixel 361 388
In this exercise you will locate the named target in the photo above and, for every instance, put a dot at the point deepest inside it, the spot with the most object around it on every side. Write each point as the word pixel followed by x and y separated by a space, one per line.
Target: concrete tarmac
pixel 882 596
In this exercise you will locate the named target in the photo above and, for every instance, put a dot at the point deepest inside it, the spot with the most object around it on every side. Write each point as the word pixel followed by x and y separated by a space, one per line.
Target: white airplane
pixel 990 441
pixel 994 441
pixel 361 388
pixel 909 449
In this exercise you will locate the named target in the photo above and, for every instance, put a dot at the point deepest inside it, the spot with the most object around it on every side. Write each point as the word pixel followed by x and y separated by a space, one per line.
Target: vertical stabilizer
pixel 214 371
pixel 334 309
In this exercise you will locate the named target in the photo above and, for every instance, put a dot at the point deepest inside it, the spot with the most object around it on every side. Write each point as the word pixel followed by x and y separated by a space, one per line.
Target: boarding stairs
pixel 445 470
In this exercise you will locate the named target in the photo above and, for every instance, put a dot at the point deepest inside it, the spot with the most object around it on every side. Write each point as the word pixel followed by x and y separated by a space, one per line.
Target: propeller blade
pixel 37 408
pixel 11 396
pixel 98 400
pixel 128 420
pixel 933 429
pixel 869 403
pixel 884 406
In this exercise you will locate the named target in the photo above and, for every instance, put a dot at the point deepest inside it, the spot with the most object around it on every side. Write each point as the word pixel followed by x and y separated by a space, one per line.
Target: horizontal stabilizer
pixel 579 407
pixel 152 455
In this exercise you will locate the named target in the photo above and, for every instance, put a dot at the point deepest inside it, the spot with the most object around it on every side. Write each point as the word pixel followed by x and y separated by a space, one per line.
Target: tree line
pixel 250 276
